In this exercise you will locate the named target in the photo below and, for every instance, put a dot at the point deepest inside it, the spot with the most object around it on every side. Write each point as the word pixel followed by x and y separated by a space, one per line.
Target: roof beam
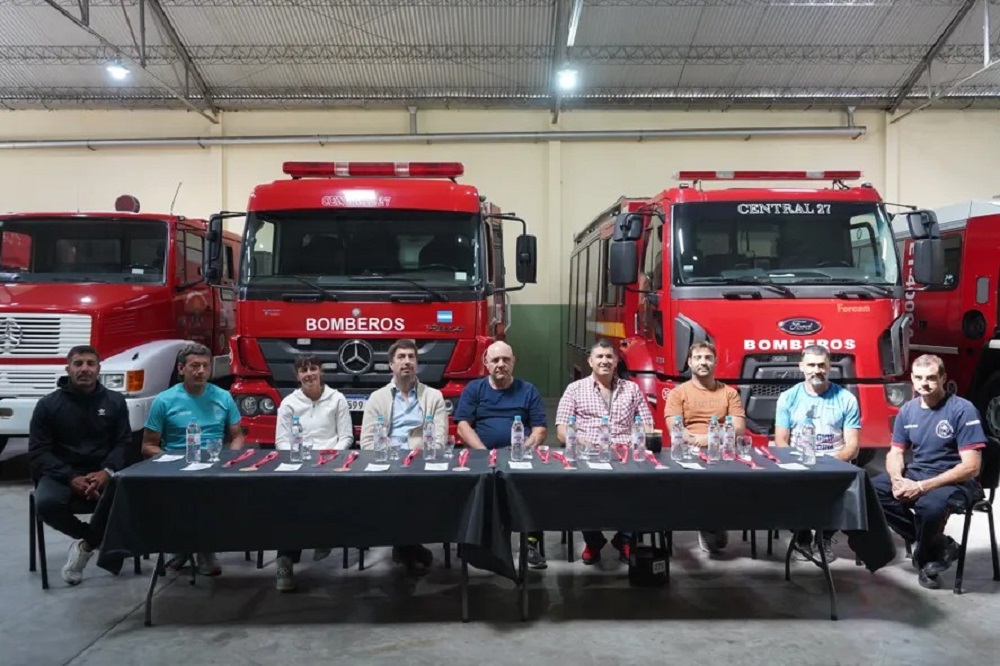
pixel 175 41
pixel 135 63
pixel 932 53
pixel 558 59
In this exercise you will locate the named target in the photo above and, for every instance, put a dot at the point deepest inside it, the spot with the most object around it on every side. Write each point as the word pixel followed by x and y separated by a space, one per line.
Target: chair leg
pixel 246 556
pixel 43 560
pixel 32 555
pixel 447 555
pixel 909 549
pixel 570 552
pixel 345 557
pixel 770 542
pixel 993 543
pixel 753 543
pixel 260 559
pixel 562 539
pixel 361 559
pixel 745 534
pixel 541 545
pixel 961 551
pixel 670 544
pixel 137 565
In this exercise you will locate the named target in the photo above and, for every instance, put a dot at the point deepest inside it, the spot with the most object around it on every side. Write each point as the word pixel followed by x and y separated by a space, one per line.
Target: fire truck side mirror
pixel 623 262
pixel 928 261
pixel 923 224
pixel 526 249
pixel 212 258
pixel 628 227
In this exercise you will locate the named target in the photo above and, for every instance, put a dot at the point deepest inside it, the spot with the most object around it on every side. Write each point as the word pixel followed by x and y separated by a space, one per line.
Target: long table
pixel 832 495
pixel 155 507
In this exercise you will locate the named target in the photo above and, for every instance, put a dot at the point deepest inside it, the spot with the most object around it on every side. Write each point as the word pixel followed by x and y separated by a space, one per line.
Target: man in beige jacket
pixel 403 404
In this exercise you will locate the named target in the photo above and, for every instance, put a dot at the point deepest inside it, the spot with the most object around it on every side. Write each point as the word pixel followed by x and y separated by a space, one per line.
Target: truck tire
pixel 988 404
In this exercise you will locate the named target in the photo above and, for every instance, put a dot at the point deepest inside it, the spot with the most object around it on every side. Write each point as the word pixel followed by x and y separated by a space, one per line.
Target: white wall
pixel 929 159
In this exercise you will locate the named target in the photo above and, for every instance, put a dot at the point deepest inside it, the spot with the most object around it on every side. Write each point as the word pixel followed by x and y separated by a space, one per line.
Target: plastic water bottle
pixel 517 439
pixel 807 440
pixel 430 442
pixel 638 440
pixel 381 440
pixel 714 452
pixel 678 449
pixel 192 442
pixel 571 440
pixel 604 441
pixel 729 439
pixel 295 447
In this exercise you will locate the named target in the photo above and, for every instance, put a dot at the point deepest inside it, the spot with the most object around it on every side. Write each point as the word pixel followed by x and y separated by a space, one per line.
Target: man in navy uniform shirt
pixel 944 435
pixel 486 411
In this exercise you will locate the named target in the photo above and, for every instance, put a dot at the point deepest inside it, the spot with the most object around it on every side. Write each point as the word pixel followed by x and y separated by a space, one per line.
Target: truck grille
pixel 42 335
pixel 28 382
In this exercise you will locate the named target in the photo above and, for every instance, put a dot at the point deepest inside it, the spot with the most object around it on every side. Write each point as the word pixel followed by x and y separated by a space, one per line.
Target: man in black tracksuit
pixel 79 436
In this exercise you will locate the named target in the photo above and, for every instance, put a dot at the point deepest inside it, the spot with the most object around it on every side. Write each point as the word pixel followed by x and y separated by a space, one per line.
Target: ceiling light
pixel 566 78
pixel 117 70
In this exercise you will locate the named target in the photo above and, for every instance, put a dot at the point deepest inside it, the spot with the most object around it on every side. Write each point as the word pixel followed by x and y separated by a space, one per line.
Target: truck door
pixel 194 302
pixel 651 280
pixel 225 319
pixel 937 313
pixel 495 274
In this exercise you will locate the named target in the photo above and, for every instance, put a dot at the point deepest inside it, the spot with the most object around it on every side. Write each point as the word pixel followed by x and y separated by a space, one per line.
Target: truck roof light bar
pixel 767 175
pixel 373 169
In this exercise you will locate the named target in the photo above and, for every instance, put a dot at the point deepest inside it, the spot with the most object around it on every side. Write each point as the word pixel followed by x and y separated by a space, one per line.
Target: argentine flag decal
pixel 444 316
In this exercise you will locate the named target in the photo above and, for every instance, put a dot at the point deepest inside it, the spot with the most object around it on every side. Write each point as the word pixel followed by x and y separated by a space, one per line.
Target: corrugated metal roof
pixel 436 49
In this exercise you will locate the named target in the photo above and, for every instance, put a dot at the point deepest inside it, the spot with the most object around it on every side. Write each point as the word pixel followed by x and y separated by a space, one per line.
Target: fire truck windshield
pixel 82 250
pixel 784 243
pixel 335 247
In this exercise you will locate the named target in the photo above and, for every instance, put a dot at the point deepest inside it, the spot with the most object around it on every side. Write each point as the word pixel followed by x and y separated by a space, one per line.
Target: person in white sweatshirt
pixel 326 422
pixel 322 411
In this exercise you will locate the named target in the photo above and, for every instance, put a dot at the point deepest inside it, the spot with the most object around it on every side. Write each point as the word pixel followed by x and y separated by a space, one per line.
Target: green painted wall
pixel 538 336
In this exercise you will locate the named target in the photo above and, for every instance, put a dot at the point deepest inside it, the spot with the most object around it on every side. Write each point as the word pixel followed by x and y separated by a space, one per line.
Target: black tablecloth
pixel 725 495
pixel 155 507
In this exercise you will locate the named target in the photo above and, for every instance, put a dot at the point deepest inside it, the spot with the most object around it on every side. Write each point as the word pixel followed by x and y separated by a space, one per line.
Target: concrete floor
pixel 733 608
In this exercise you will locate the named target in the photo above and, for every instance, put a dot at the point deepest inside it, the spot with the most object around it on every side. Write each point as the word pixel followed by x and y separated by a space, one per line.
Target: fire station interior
pixel 272 178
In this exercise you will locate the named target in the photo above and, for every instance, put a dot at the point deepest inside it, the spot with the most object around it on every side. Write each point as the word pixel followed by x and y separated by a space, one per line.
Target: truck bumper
pixel 15 414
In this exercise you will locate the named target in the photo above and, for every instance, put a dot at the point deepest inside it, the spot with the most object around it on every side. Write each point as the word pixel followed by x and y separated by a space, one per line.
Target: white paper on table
pixel 519 464
pixel 372 467
pixel 690 465
pixel 793 466
pixel 168 457
pixel 287 467
pixel 436 466
pixel 599 465
pixel 194 467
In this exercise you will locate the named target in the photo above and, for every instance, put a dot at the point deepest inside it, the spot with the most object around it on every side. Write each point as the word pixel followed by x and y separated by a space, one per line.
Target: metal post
pixel 986 33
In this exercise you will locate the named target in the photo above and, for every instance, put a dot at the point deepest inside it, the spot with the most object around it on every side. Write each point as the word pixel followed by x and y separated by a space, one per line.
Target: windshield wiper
pixel 882 290
pixel 760 282
pixel 378 277
pixel 326 293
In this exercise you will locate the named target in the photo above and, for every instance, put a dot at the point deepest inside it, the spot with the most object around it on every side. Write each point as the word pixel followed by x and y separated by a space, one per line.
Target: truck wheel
pixel 989 405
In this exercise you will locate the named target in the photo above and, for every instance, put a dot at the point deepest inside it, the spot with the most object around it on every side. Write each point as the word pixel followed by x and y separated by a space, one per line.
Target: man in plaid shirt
pixel 591 398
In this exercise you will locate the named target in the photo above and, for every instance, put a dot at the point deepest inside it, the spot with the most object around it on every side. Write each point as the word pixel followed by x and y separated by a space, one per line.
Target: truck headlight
pixel 114 381
pixel 449 406
pixel 130 381
pixel 254 405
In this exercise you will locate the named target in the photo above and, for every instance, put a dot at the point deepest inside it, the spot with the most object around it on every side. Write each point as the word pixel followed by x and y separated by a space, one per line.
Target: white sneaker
pixel 72 572
pixel 286 576
pixel 208 564
pixel 320 554
pixel 710 542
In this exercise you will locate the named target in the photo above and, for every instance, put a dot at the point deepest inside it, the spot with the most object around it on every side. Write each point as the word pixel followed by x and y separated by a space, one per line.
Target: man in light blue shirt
pixel 211 407
pixel 835 414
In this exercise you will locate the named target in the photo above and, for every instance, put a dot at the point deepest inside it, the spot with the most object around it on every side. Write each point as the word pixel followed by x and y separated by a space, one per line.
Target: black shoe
pixel 408 557
pixel 949 553
pixel 423 555
pixel 623 547
pixel 928 579
pixel 535 559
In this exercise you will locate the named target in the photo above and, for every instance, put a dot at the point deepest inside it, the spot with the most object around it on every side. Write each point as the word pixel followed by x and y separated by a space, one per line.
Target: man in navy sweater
pixel 486 411
pixel 78 437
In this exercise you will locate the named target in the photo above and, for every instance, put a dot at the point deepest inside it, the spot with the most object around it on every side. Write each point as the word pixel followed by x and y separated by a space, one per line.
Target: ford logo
pixel 800 326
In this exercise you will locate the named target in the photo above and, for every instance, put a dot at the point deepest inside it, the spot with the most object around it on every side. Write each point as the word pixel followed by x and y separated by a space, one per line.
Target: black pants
pixel 596 539
pixel 57 505
pixel 922 521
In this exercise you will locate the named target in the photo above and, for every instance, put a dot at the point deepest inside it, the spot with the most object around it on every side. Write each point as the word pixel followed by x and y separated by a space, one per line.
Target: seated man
pixel 835 414
pixel 486 411
pixel 403 405
pixel 696 401
pixel 591 398
pixel 194 399
pixel 944 434
pixel 78 437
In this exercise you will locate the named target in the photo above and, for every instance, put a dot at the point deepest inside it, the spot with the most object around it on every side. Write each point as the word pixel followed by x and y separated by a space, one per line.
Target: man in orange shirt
pixel 696 401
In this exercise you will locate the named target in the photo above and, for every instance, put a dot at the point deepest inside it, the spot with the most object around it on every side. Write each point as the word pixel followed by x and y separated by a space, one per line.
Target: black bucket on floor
pixel 648 567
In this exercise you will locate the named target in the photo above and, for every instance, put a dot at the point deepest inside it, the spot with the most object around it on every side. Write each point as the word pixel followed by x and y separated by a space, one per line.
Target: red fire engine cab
pixel 760 272
pixel 957 319
pixel 127 283
pixel 344 258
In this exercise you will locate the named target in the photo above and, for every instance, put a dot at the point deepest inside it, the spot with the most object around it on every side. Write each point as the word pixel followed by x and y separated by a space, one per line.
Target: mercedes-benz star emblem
pixel 356 356
pixel 10 335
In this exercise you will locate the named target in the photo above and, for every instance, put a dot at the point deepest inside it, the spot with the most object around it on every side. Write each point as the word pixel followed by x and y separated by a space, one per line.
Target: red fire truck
pixel 129 284
pixel 761 273
pixel 957 319
pixel 343 258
